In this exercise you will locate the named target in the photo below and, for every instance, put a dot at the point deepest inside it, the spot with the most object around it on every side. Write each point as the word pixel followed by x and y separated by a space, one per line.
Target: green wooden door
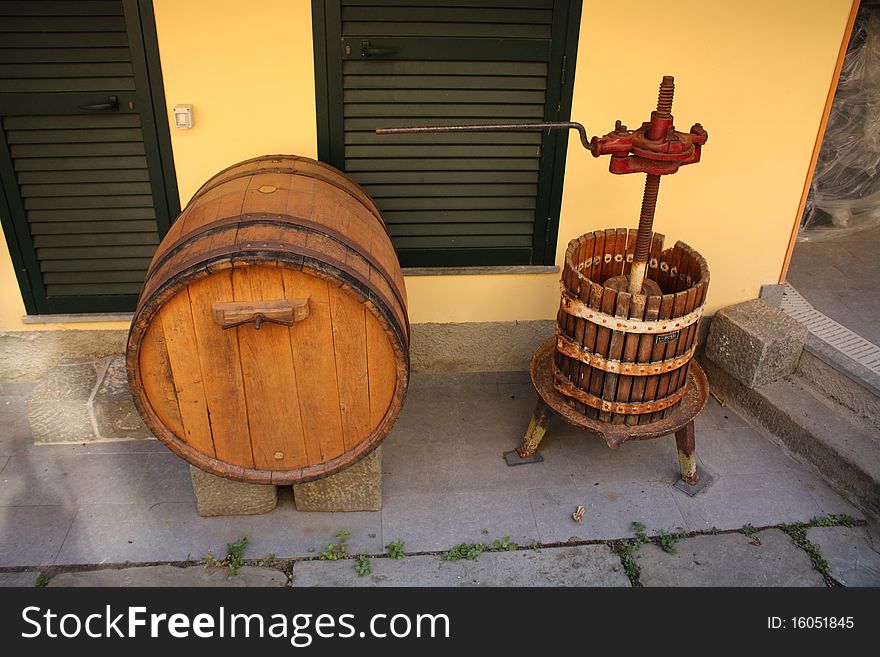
pixel 86 195
pixel 450 199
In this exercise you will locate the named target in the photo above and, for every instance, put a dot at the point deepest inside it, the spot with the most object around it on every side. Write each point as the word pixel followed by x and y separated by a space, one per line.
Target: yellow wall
pixel 755 73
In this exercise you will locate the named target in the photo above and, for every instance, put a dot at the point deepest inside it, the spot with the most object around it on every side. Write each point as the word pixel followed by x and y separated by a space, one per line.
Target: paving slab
pixel 173 531
pixel 610 510
pixel 166 479
pixel 592 460
pixel 438 520
pixel 58 408
pixel 32 535
pixel 119 533
pixel 114 411
pixel 29 480
pixel 768 559
pixel 24 578
pixel 287 532
pixel 171 577
pixel 742 451
pixel 584 565
pixel 758 499
pixel 404 467
pixel 852 553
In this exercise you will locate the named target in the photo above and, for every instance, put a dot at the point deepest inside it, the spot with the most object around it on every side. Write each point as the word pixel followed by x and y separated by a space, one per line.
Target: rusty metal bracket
pixel 578 308
pixel 568 347
pixel 567 388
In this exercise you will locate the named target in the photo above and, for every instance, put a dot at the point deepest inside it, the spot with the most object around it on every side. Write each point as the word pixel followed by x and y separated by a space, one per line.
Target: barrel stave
pixel 601 389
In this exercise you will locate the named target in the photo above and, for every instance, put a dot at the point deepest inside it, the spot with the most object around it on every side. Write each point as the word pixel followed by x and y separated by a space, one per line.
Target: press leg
pixel 687 454
pixel 537 428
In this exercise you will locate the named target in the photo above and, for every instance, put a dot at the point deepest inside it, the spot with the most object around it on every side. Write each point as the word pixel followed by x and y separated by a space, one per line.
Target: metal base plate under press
pixel 705 480
pixel 513 458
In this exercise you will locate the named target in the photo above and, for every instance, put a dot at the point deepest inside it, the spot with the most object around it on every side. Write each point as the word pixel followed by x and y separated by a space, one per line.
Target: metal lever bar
pixel 258 319
pixel 495 127
pixel 111 104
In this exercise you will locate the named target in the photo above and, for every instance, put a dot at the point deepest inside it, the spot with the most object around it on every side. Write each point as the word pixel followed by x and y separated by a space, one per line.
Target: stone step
pixel 813 426
pixel 855 389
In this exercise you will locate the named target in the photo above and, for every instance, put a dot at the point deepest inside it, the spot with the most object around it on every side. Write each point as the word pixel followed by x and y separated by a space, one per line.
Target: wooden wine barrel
pixel 271 340
pixel 620 357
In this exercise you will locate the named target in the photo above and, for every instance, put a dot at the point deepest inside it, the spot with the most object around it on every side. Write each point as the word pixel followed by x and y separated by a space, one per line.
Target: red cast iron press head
pixel 656 148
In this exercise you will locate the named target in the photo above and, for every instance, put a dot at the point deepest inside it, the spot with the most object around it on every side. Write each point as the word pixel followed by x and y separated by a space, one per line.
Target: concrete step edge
pixel 812 427
pixel 826 370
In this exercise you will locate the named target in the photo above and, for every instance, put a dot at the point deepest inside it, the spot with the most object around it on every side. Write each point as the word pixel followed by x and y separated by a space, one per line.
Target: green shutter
pixel 84 188
pixel 455 198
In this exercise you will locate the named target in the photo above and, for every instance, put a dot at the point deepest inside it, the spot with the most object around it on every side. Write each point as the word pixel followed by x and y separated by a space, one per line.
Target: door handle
pixel 369 51
pixel 112 104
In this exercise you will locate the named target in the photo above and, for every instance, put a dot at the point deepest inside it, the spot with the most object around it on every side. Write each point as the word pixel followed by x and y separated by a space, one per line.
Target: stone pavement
pixel 96 504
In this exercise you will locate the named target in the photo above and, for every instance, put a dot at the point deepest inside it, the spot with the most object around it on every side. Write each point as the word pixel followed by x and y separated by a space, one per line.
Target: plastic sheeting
pixel 845 192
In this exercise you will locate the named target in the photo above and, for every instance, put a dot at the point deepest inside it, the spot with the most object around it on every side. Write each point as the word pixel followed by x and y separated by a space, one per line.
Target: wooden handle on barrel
pixel 229 314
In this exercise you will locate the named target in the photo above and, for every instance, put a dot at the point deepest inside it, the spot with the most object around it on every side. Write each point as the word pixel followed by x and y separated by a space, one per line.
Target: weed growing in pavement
pixel 668 541
pixel 833 520
pixel 749 530
pixel 209 560
pixel 626 549
pixel 362 565
pixel 234 559
pixel 504 545
pixel 42 581
pixel 267 560
pixel 235 555
pixel 798 533
pixel 395 549
pixel 337 550
pixel 469 551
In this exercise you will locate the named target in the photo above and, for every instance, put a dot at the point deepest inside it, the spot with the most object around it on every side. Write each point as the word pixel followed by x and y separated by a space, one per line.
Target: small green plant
pixel 337 550
pixel 42 581
pixel 749 530
pixel 668 541
pixel 234 559
pixel 798 533
pixel 714 531
pixel 639 530
pixel 362 565
pixel 845 520
pixel 626 549
pixel 469 551
pixel 535 545
pixel 235 555
pixel 833 520
pixel 267 560
pixel 209 560
pixel 395 549
pixel 504 545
